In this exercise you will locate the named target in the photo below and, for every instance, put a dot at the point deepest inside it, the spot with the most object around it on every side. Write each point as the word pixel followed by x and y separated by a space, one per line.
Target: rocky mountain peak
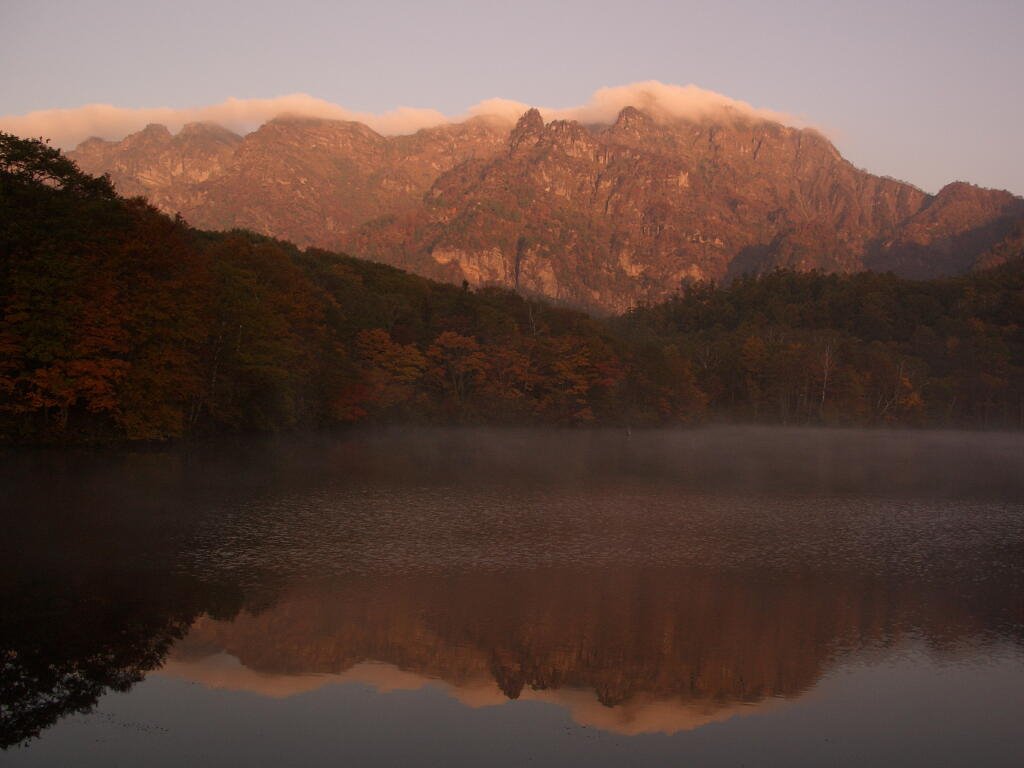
pixel 527 131
pixel 303 123
pixel 531 121
pixel 207 130
pixel 632 120
pixel 965 191
pixel 601 218
pixel 91 144
pixel 568 138
pixel 154 133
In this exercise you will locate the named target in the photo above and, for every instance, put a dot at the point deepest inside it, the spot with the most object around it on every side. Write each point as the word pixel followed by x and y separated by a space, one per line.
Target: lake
pixel 718 596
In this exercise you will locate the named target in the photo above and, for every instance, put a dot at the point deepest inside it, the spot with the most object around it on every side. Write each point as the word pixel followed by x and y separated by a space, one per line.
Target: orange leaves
pixel 351 403
pixel 513 378
pixel 578 372
pixel 572 371
pixel 388 360
pixel 510 375
pixel 96 381
pixel 388 373
pixel 46 387
pixel 458 364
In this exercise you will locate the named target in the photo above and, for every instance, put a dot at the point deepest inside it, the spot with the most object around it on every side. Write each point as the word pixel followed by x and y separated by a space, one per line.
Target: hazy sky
pixel 927 91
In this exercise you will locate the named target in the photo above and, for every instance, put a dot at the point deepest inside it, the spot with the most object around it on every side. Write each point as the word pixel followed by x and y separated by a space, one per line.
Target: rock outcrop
pixel 602 217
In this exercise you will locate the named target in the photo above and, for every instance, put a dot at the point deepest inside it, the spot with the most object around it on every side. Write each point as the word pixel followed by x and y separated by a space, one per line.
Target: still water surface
pixel 709 597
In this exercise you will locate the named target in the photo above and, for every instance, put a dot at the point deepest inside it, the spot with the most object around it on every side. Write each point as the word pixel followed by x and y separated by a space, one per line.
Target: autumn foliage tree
pixel 118 322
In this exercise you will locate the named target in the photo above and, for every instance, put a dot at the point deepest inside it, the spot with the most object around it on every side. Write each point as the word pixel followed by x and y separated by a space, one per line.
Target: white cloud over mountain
pixel 67 127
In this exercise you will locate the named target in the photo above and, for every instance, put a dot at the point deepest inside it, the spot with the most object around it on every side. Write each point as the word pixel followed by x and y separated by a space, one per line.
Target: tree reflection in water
pixel 641 603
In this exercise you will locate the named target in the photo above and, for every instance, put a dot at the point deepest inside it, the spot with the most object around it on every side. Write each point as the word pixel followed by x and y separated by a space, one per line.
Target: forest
pixel 119 323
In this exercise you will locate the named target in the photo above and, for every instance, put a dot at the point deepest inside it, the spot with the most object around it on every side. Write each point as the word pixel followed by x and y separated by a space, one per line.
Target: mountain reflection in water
pixel 653 584
pixel 634 652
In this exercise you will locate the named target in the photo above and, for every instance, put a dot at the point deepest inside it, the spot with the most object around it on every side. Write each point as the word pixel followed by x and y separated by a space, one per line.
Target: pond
pixel 718 596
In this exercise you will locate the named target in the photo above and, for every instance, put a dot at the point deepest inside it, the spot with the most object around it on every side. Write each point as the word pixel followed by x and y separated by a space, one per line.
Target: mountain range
pixel 602 217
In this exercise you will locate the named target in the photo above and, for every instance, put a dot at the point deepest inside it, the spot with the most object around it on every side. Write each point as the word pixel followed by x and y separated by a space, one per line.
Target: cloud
pixel 67 127
pixel 661 100
pixel 666 101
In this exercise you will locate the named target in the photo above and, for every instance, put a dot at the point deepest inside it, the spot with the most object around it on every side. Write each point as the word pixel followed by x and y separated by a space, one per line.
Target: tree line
pixel 853 349
pixel 118 322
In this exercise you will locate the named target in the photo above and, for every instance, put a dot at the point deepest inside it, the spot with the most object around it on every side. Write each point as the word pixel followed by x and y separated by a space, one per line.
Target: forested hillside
pixel 119 322
pixel 858 349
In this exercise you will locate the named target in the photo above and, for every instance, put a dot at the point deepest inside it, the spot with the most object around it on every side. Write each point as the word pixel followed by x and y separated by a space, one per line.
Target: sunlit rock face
pixel 308 180
pixel 625 213
pixel 598 216
pixel 164 168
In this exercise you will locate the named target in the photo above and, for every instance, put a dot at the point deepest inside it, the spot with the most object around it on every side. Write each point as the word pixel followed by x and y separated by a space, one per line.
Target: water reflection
pixel 633 652
pixel 649 585
pixel 639 715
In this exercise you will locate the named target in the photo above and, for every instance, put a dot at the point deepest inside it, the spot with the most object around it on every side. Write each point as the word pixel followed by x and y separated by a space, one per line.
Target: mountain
pixel 162 167
pixel 609 217
pixel 303 179
pixel 598 216
pixel 118 322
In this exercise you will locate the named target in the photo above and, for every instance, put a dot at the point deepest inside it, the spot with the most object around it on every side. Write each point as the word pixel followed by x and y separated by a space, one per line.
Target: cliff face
pixel 167 169
pixel 609 217
pixel 602 217
pixel 305 180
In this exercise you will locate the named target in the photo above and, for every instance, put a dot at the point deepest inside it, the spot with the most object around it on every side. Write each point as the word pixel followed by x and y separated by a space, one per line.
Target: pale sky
pixel 926 91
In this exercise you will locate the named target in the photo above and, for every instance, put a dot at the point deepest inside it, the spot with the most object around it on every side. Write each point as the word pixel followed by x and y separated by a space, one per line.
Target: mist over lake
pixel 452 384
pixel 719 595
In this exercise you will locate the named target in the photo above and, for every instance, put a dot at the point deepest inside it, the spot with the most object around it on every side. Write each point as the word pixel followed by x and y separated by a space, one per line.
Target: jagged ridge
pixel 603 217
